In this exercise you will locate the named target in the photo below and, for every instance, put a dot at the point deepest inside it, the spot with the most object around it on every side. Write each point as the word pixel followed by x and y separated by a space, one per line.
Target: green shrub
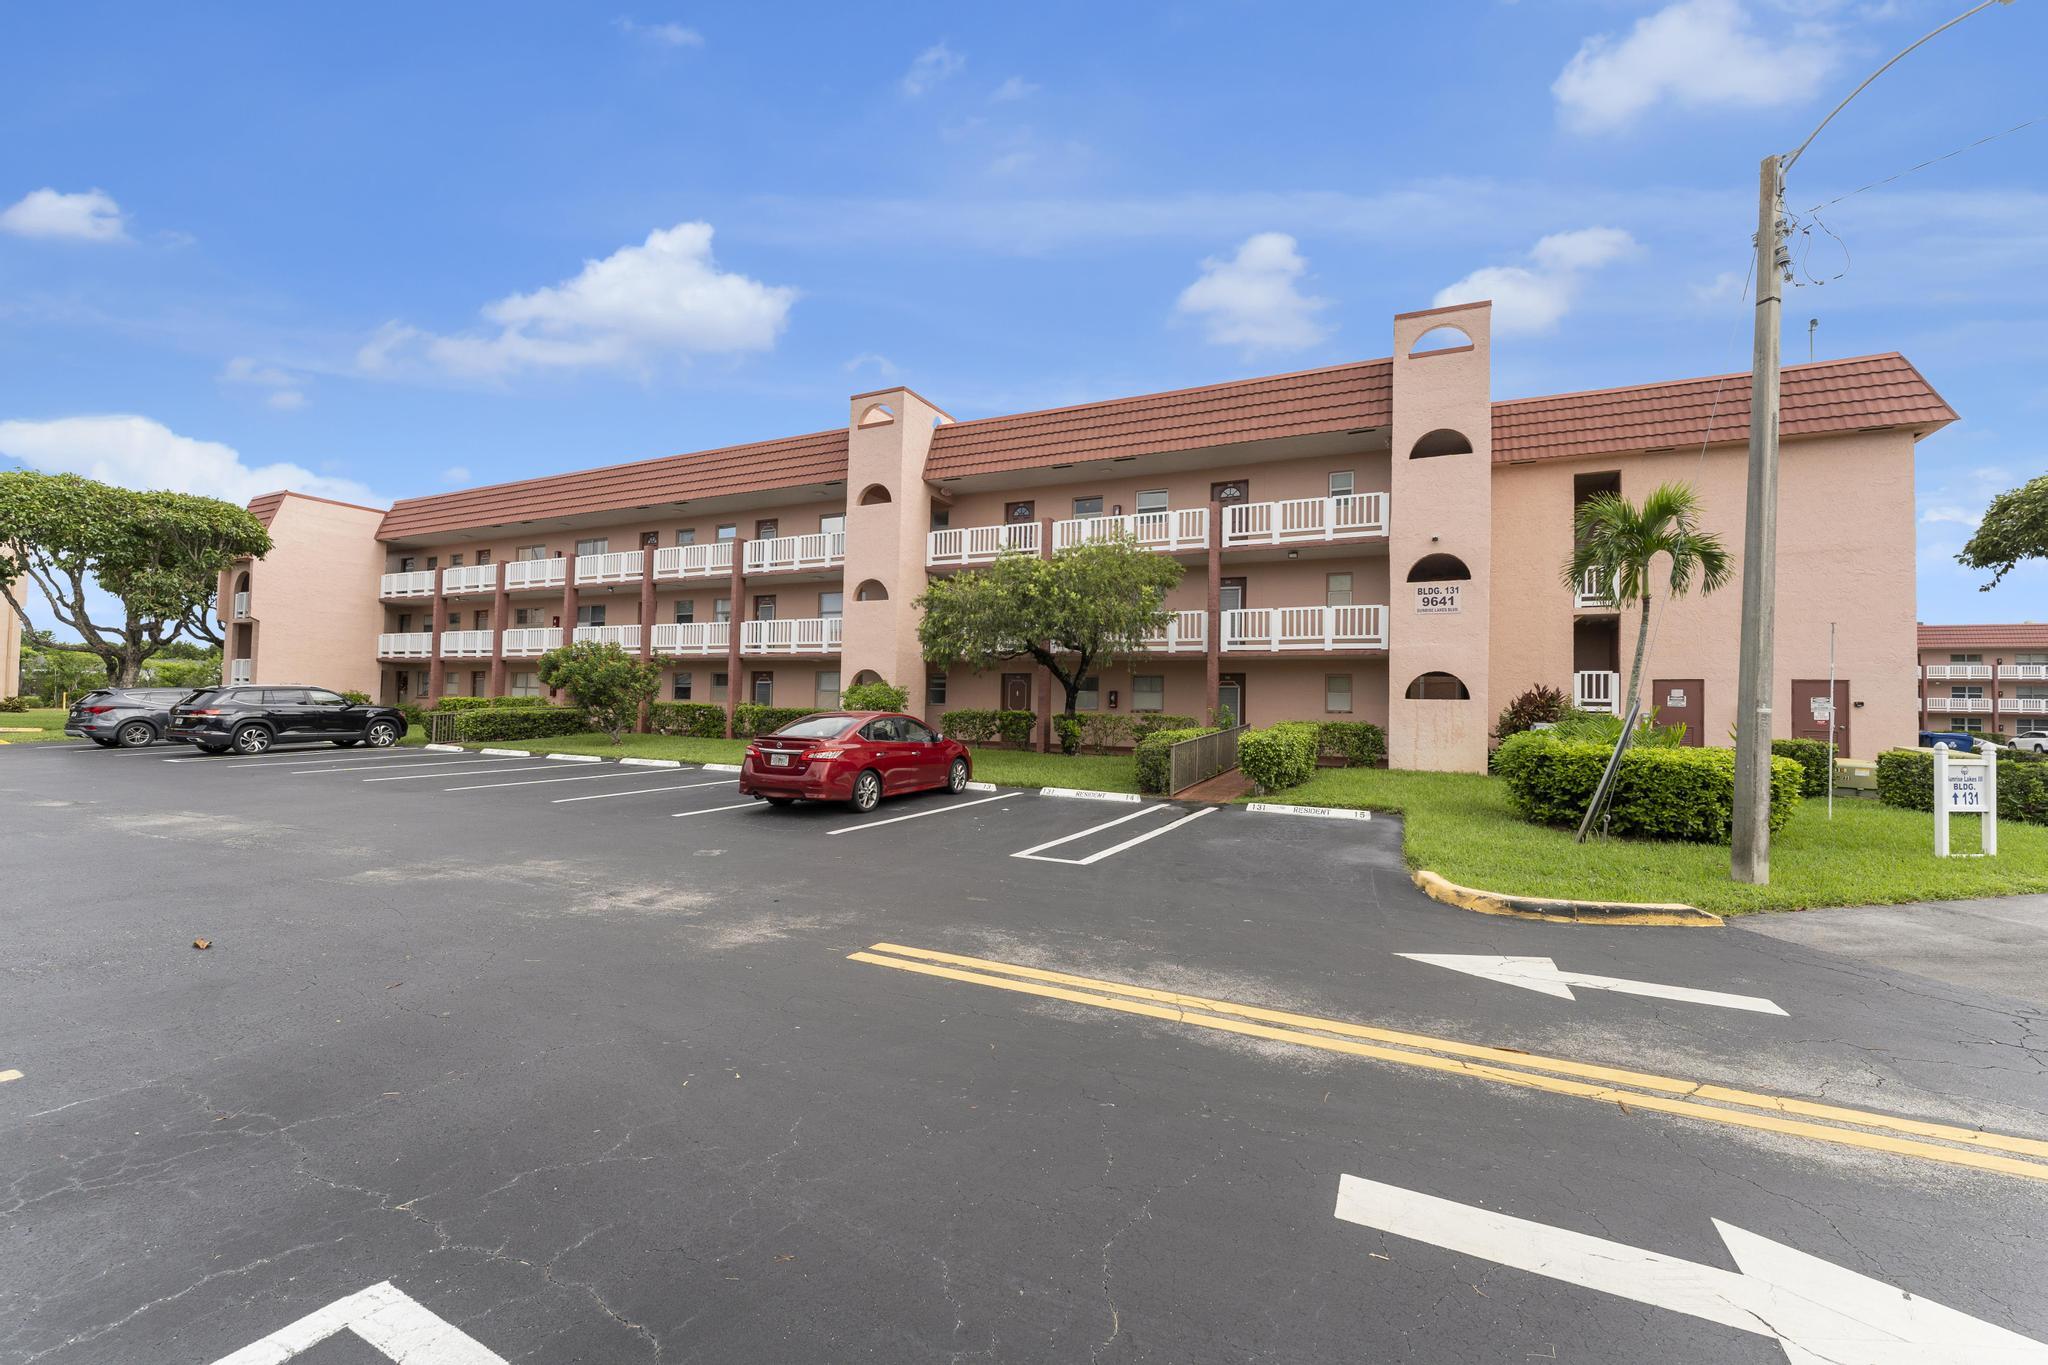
pixel 875 696
pixel 1905 778
pixel 415 716
pixel 489 703
pixel 604 681
pixel 461 703
pixel 752 718
pixel 697 719
pixel 1539 704
pixel 353 696
pixel 1153 766
pixel 484 724
pixel 1659 793
pixel 1812 756
pixel 1067 729
pixel 969 726
pixel 1280 756
pixel 1601 727
pixel 13 704
pixel 1151 722
pixel 1360 743
pixel 1102 729
pixel 1014 727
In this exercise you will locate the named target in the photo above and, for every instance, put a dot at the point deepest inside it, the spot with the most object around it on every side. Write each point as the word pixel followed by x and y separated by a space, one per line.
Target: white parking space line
pixel 358 764
pixel 713 810
pixel 641 791
pixel 307 753
pixel 439 771
pixel 942 810
pixel 1113 849
pixel 393 1324
pixel 1082 834
pixel 542 781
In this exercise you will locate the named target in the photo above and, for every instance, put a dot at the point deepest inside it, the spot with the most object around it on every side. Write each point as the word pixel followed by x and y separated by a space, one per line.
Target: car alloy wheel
pixel 252 739
pixel 956 779
pixel 381 734
pixel 135 734
pixel 867 792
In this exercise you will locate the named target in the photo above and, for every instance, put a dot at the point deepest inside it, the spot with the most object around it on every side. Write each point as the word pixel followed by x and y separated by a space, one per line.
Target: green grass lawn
pixel 45 722
pixel 1459 826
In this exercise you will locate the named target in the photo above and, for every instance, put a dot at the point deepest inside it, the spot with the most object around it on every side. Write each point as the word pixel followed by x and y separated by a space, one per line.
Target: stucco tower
pixel 888 512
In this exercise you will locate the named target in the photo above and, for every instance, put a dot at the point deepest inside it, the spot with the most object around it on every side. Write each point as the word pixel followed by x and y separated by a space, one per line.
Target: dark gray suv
pixel 124 717
pixel 249 719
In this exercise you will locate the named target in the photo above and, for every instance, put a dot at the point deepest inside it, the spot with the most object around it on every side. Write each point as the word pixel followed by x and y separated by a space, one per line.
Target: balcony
pixel 470 578
pixel 1186 529
pixel 692 637
pixel 625 637
pixel 2025 706
pixel 1595 593
pixel 411 644
pixel 410 584
pixel 1958 672
pixel 532 641
pixel 1961 706
pixel 620 566
pixel 1185 632
pixel 2023 672
pixel 694 561
pixel 241 606
pixel 798 635
pixel 528 574
pixel 466 644
pixel 1597 692
pixel 1305 520
pixel 1318 630
pixel 242 671
pixel 980 544
pixel 795 554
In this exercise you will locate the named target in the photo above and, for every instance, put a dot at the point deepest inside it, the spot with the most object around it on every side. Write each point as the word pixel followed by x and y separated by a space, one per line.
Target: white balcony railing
pixel 242 671
pixel 470 578
pixel 787 554
pixel 692 637
pixel 2025 706
pixel 620 566
pixel 1305 519
pixel 1958 672
pixel 466 644
pixel 694 561
pixel 625 637
pixel 1597 692
pixel 1186 632
pixel 1305 628
pixel 528 574
pixel 530 641
pixel 241 606
pixel 1966 706
pixel 413 584
pixel 1594 593
pixel 2023 672
pixel 411 644
pixel 980 544
pixel 797 635
pixel 1184 529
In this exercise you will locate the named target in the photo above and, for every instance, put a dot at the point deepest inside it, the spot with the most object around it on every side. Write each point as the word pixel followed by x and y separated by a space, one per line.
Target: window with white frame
pixel 1342 483
pixel 524 685
pixel 1088 507
pixel 827 697
pixel 1337 694
pixel 1337 589
pixel 596 545
pixel 1967 691
pixel 1148 692
pixel 1151 500
pixel 1089 698
pixel 592 615
pixel 831 604
pixel 530 552
pixel 721 609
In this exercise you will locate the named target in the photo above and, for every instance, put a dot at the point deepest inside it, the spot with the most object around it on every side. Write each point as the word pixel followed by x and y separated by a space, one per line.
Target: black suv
pixel 124 717
pixel 251 719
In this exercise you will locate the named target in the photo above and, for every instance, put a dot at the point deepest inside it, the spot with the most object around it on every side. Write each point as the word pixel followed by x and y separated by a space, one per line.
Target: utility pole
pixel 1750 856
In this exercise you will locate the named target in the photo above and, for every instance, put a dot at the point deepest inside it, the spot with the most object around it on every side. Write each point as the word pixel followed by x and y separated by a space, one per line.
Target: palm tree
pixel 1620 541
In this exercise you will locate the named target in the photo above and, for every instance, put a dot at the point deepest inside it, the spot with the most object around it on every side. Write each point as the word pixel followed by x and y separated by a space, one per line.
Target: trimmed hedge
pixel 1659 793
pixel 1360 743
pixel 1144 723
pixel 970 725
pixel 1153 767
pixel 697 719
pixel 483 724
pixel 875 696
pixel 752 718
pixel 1280 756
pixel 1811 755
pixel 489 703
pixel 1905 778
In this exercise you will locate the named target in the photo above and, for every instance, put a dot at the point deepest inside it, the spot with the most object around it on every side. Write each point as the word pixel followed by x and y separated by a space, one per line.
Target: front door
pixel 764 607
pixel 1682 700
pixel 1016 691
pixel 1230 594
pixel 1230 696
pixel 1019 511
pixel 1810 711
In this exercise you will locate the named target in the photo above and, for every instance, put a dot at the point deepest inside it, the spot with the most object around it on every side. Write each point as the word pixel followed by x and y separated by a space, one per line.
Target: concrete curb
pixel 506 753
pixel 720 767
pixel 1319 812
pixel 1084 794
pixel 650 763
pixel 575 758
pixel 1563 911
pixel 442 748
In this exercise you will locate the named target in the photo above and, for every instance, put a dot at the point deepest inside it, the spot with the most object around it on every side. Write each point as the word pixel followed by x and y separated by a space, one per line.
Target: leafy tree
pixel 604 680
pixel 1620 542
pixel 1069 612
pixel 201 672
pixel 54 674
pixel 874 696
pixel 159 554
pixel 2015 527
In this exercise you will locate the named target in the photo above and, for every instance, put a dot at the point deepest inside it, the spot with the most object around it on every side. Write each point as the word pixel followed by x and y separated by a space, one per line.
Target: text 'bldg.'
pixel 1374 541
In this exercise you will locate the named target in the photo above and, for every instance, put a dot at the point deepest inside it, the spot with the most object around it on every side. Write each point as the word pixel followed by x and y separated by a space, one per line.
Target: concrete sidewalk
pixel 1994 944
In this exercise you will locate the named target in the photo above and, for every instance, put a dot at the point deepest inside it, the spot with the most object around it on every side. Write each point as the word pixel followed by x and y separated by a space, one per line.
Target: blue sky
pixel 377 250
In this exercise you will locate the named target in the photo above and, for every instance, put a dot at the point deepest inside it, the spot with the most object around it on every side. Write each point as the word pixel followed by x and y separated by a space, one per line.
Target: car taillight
pixel 97 710
pixel 206 712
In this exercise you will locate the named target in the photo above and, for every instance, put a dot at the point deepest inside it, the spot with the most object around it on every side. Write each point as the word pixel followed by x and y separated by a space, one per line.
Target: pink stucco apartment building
pixel 1378 541
pixel 1987 679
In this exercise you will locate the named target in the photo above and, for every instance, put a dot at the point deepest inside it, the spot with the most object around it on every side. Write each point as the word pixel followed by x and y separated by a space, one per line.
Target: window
pixel 455 620
pixel 1966 658
pixel 2036 659
pixel 721 609
pixel 480 620
pixel 687 536
pixel 870 590
pixel 815 727
pixel 885 729
pixel 592 615
pixel 1018 511
pixel 935 689
pixel 766 528
pixel 407 563
pixel 1148 692
pixel 1341 483
pixel 1337 694
pixel 1152 500
pixel 454 561
pixel 831 604
pixel 1972 724
pixel 1970 691
pixel 718 682
pixel 764 688
pixel 942 517
pixel 686 611
pixel 524 685
pixel 596 545
pixel 764 606
pixel 1228 491
pixel 530 552
pixel 679 687
pixel 1089 698
pixel 1337 589
pixel 529 616
pixel 320 696
pixel 288 696
pixel 451 682
pixel 433 561
pixel 483 557
pixel 832 525
pixel 2030 692
pixel 1442 441
pixel 729 531
pixel 421 687
pixel 1088 507
pixel 917 733
pixel 827 696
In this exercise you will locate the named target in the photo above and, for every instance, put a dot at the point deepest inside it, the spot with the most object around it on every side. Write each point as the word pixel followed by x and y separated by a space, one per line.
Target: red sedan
pixel 857 757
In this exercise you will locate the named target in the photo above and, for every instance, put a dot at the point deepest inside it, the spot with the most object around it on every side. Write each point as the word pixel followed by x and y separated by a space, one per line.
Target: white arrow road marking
pixel 1545 976
pixel 382 1315
pixel 1819 1313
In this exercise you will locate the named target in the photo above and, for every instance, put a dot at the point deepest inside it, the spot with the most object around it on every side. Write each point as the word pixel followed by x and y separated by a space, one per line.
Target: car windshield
pixel 815 727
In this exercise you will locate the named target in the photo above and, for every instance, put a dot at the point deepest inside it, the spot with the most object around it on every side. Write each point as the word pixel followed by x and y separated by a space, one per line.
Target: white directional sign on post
pixel 1819 1313
pixel 1542 975
pixel 1969 784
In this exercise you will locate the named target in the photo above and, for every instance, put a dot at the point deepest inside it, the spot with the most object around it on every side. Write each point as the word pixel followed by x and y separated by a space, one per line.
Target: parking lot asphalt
pixel 589 1063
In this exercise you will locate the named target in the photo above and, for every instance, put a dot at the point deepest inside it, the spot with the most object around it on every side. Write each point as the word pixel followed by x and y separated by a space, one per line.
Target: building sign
pixel 1823 707
pixel 1675 698
pixel 1968 785
pixel 1437 599
pixel 1965 787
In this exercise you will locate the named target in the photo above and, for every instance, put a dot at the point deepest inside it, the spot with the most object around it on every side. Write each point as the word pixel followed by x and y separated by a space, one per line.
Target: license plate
pixel 778 760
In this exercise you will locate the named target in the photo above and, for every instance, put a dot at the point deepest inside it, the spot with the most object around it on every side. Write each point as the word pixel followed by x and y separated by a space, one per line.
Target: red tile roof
pixel 2010 635
pixel 1830 396
pixel 264 506
pixel 819 457
pixel 1335 399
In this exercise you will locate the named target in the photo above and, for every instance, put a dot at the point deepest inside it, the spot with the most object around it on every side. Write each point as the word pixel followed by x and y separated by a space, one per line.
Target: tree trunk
pixel 1635 672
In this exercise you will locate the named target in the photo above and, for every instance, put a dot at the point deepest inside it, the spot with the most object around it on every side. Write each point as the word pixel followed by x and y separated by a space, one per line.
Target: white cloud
pixel 284 391
pixel 931 66
pixel 883 366
pixel 1253 299
pixel 665 296
pixel 1950 513
pixel 1696 54
pixel 455 473
pixel 659 35
pixel 1533 298
pixel 89 216
pixel 137 452
pixel 1015 88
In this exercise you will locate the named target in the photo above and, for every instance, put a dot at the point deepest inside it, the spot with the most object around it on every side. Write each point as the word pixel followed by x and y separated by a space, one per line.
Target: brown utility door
pixel 1809 722
pixel 1016 691
pixel 1681 699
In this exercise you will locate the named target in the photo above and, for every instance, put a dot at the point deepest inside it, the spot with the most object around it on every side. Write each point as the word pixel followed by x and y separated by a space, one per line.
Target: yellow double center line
pixel 1940 1142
